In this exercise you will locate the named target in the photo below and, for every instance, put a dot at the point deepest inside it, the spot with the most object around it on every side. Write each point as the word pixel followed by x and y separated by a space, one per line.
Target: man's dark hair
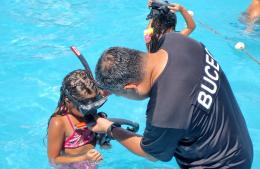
pixel 119 66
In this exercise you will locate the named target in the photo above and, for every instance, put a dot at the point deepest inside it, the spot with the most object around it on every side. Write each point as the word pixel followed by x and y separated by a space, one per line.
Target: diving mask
pixel 158 8
pixel 87 106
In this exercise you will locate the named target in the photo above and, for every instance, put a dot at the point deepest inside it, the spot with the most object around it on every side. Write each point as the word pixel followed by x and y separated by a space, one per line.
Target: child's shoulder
pixel 57 122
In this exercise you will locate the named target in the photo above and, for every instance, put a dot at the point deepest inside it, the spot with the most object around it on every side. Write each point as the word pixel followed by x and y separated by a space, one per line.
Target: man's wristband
pixel 110 129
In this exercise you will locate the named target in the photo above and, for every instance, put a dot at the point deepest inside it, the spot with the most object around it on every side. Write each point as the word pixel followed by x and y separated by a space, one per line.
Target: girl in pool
pixel 253 11
pixel 160 24
pixel 69 146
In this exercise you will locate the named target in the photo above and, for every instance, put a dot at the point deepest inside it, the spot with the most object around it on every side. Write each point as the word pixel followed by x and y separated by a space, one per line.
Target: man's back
pixel 192 100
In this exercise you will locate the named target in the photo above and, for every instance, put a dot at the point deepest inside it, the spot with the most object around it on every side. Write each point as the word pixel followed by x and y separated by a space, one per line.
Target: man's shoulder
pixel 178 43
pixel 175 35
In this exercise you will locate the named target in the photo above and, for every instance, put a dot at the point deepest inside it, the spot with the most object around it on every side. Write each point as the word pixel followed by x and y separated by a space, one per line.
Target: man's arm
pixel 128 139
pixel 157 143
pixel 131 141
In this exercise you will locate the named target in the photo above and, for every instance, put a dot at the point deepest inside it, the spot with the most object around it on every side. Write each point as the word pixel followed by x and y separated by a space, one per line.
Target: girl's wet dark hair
pixel 80 85
pixel 160 24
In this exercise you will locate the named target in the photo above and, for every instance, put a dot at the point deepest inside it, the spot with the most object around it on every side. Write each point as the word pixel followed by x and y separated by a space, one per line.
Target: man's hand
pixel 101 126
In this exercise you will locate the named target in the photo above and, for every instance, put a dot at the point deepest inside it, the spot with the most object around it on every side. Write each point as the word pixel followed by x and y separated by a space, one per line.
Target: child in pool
pixel 68 146
pixel 165 23
pixel 253 11
pixel 252 16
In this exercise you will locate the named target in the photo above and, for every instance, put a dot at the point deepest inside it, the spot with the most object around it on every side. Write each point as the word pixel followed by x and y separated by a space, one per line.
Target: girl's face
pixel 74 110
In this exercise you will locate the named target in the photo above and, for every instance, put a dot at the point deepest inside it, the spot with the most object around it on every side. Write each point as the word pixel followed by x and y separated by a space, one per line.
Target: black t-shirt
pixel 192 113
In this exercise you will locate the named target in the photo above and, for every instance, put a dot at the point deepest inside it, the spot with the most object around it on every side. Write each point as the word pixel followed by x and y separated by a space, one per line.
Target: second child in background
pixel 162 23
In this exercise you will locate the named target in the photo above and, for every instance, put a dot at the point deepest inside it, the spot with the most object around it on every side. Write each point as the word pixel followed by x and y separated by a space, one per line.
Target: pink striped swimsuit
pixel 79 137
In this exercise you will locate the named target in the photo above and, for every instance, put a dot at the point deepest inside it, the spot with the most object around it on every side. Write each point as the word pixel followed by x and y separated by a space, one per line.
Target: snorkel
pixel 158 8
pixel 89 109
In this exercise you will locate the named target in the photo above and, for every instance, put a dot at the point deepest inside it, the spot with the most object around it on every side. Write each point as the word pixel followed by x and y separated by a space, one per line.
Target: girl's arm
pixel 187 17
pixel 56 137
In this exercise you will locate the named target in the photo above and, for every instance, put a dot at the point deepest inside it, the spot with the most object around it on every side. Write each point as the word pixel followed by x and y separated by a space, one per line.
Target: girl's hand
pixel 188 18
pixel 93 155
pixel 175 7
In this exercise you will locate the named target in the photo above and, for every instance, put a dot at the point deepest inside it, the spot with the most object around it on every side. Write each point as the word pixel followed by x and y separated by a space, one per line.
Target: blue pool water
pixel 34 54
